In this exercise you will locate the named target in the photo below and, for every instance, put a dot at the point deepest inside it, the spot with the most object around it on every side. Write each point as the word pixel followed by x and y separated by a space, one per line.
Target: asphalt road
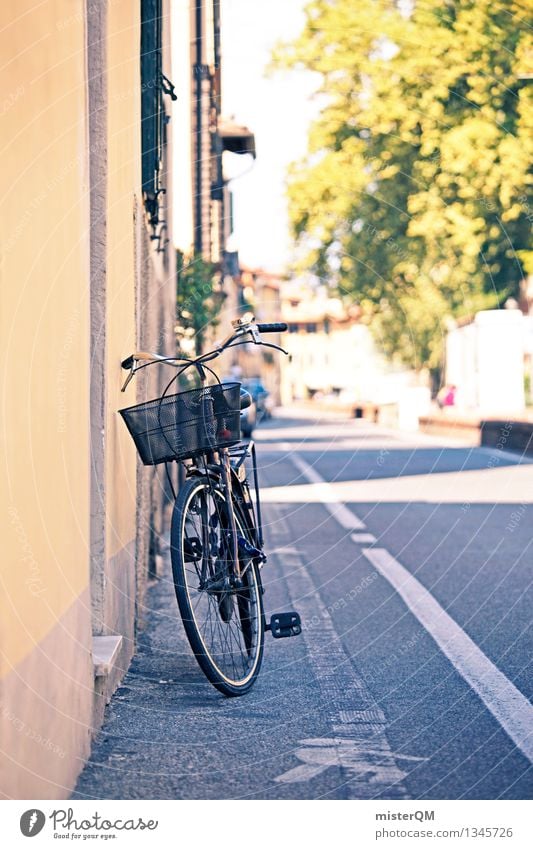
pixel 410 560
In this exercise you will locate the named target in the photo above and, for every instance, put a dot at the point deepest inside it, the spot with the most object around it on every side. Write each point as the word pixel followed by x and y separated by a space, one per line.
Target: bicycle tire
pixel 249 604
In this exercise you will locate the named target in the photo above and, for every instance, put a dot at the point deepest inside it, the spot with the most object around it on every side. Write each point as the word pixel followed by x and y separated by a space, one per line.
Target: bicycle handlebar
pixel 276 327
pixel 242 328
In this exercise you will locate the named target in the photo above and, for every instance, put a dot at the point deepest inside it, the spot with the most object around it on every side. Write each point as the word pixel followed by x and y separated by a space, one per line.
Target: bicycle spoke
pixel 225 619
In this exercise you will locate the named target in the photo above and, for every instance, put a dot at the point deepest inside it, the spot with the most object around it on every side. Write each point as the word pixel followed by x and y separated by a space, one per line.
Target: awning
pixel 236 138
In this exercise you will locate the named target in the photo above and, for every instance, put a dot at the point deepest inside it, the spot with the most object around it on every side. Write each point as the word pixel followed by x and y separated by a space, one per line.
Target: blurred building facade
pixel 204 220
pixel 115 157
pixel 330 350
pixel 88 277
pixel 333 356
pixel 256 291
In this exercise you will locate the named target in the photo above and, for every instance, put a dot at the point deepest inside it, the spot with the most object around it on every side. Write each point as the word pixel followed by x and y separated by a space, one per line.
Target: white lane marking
pixel 317 755
pixel 367 539
pixel 327 496
pixel 499 695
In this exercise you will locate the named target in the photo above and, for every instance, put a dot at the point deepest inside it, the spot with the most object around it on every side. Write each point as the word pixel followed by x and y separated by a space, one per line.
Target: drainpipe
pixel 198 72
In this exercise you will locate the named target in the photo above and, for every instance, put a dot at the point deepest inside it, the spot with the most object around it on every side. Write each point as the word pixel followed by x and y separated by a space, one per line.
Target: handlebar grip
pixel 277 327
pixel 127 363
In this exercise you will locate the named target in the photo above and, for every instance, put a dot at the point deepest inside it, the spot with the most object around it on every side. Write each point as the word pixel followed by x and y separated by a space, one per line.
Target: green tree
pixel 199 299
pixel 412 198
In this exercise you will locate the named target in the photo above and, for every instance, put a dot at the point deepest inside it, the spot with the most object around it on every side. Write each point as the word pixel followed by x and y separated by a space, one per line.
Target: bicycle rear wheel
pixel 223 618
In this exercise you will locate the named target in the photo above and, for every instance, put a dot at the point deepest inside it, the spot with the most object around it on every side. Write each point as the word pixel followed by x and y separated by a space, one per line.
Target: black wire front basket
pixel 185 425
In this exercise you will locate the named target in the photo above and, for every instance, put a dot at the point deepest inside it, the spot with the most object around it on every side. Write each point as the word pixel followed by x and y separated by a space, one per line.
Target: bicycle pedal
pixel 285 625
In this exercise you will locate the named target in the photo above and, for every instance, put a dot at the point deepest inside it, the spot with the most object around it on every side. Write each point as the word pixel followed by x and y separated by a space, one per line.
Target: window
pixel 153 115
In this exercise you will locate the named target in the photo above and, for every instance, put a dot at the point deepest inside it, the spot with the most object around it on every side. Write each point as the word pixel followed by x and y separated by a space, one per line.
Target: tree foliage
pixel 413 196
pixel 199 299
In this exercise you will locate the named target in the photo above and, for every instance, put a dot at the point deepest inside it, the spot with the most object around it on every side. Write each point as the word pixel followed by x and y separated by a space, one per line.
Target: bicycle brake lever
pixel 129 377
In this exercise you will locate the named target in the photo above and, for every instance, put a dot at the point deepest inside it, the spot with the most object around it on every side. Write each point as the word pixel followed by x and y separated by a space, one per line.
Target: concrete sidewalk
pixel 168 734
pixel 309 728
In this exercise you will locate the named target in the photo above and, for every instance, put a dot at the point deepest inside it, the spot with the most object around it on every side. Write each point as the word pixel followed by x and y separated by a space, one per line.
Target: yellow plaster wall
pixel 123 186
pixel 44 321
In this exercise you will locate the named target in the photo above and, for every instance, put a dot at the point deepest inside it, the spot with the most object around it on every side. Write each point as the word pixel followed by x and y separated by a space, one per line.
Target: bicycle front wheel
pixel 222 616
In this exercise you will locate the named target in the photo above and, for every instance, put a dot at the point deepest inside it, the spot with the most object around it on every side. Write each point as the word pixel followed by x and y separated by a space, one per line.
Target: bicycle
pixel 216 536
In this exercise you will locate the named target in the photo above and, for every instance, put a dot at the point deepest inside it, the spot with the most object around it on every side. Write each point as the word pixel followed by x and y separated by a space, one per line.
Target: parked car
pixel 248 420
pixel 261 396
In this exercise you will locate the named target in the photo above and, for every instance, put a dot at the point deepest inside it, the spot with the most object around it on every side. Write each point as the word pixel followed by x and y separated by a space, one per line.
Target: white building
pixel 485 361
pixel 333 354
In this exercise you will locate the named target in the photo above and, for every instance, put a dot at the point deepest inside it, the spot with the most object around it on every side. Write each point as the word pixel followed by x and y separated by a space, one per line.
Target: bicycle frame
pixel 233 486
pixel 236 490
pixel 227 549
pixel 240 454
